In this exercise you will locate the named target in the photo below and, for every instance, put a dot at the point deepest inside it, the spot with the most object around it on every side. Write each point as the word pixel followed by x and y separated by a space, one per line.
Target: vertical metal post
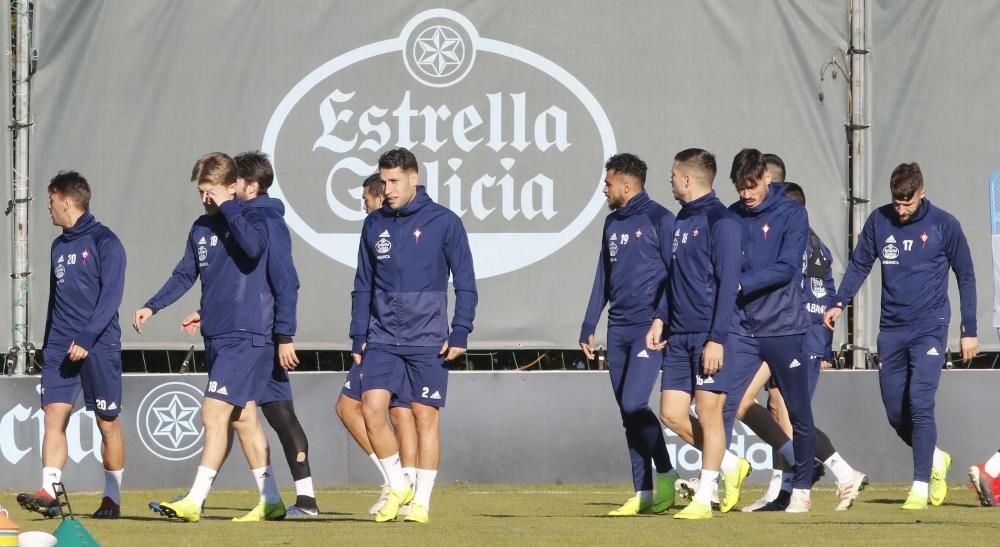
pixel 22 348
pixel 860 159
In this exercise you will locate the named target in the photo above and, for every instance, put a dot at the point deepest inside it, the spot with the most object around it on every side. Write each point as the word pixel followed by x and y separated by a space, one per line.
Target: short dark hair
pixel 399 157
pixel 256 167
pixel 374 185
pixel 906 180
pixel 778 166
pixel 748 166
pixel 699 159
pixel 215 168
pixel 72 185
pixel 628 164
pixel 795 192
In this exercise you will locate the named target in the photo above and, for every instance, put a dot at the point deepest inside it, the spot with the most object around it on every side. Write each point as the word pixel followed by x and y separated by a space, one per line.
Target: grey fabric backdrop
pixel 132 93
pixel 935 102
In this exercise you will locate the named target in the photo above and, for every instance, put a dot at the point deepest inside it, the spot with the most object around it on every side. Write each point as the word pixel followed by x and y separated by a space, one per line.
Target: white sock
pixel 729 462
pixel 50 475
pixel 394 472
pixel 304 487
pixel 773 487
pixel 378 464
pixel 425 484
pixel 266 484
pixel 841 469
pixel 993 465
pixel 203 480
pixel 706 486
pixel 802 492
pixel 919 487
pixel 645 496
pixel 113 485
pixel 411 474
pixel 938 457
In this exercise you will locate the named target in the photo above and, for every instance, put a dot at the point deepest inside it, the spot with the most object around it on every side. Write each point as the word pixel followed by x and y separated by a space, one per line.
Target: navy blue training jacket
pixel 281 272
pixel 775 235
pixel 818 290
pixel 915 258
pixel 228 250
pixel 400 295
pixel 632 269
pixel 85 287
pixel 705 269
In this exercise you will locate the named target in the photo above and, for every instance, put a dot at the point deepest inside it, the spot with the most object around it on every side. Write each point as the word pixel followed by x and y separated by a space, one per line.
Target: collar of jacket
pixel 418 203
pixel 634 205
pixel 82 226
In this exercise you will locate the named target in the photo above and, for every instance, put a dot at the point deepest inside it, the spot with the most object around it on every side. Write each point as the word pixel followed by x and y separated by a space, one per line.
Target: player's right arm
pixel 857 271
pixel 598 299
pixel 361 298
pixel 248 227
pixel 182 278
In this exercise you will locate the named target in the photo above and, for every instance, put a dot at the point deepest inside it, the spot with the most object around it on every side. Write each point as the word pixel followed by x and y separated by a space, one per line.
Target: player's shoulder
pixel 940 216
pixel 106 236
pixel 657 213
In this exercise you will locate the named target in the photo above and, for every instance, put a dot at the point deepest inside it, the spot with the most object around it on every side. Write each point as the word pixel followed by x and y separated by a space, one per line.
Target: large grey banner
pixel 942 114
pixel 511 109
pixel 508 427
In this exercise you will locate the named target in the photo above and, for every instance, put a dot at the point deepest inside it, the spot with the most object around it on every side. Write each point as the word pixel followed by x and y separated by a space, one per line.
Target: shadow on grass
pixel 886 501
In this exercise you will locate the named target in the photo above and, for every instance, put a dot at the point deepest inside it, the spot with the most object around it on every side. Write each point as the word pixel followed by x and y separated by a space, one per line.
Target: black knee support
pixel 281 416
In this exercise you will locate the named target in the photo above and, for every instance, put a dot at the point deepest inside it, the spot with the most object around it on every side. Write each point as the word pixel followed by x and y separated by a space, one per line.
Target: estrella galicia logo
pixel 506 138
pixel 167 421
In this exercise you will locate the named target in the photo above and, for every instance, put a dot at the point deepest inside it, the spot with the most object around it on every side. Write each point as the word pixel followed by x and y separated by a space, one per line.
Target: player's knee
pixel 631 409
pixel 109 425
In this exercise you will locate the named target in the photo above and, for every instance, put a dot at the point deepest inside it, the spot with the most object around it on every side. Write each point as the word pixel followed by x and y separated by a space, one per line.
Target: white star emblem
pixel 439 51
pixel 416 234
pixel 176 421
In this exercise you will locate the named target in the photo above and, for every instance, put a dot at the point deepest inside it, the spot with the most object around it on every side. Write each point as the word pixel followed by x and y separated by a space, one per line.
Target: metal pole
pixel 22 349
pixel 860 166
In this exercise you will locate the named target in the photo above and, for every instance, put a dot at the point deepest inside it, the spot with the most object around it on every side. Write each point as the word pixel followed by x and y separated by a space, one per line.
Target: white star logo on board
pixel 440 51
pixel 176 421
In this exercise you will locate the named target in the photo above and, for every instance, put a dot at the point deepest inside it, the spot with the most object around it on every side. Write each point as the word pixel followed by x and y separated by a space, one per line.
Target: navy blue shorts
pixel 99 376
pixel 278 387
pixel 239 367
pixel 417 371
pixel 352 389
pixel 682 366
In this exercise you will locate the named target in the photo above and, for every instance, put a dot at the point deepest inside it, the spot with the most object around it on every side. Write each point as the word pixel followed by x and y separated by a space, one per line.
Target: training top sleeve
pixel 109 299
pixel 665 234
pixel 957 250
pixel 248 227
pixel 860 265
pixel 459 257
pixel 52 294
pixel 789 260
pixel 182 278
pixel 828 283
pixel 598 296
pixel 726 263
pixel 361 296
pixel 284 280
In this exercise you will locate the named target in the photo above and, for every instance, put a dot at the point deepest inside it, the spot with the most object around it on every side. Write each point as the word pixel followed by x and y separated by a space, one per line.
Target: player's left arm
pixel 665 234
pixel 111 261
pixel 960 257
pixel 459 258
pixel 789 259
pixel 831 290
pixel 284 281
pixel 248 227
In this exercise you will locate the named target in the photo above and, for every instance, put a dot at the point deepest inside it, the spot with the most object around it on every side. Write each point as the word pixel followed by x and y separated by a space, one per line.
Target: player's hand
pixel 711 358
pixel 824 365
pixel 588 347
pixel 654 337
pixel 358 357
pixel 77 353
pixel 450 353
pixel 191 323
pixel 831 316
pixel 139 318
pixel 217 195
pixel 970 347
pixel 286 356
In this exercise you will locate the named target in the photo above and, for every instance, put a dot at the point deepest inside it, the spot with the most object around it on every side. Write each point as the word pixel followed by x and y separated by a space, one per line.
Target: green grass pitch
pixel 540 515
